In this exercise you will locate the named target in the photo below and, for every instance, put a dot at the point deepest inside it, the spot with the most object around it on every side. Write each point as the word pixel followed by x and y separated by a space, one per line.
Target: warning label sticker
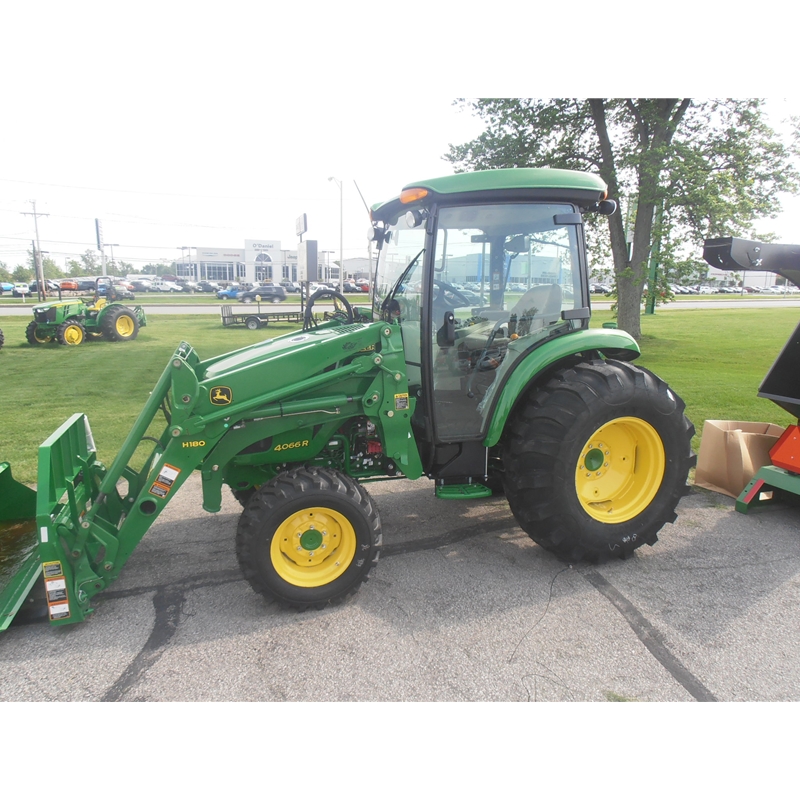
pixel 52 569
pixel 401 402
pixel 59 611
pixel 166 478
pixel 56 589
pixel 167 475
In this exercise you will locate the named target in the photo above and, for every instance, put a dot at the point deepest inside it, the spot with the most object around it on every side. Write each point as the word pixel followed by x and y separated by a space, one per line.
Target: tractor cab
pixel 479 270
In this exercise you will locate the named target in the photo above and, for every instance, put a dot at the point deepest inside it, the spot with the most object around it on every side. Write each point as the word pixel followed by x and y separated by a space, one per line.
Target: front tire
pixel 33 335
pixel 309 538
pixel 597 460
pixel 71 332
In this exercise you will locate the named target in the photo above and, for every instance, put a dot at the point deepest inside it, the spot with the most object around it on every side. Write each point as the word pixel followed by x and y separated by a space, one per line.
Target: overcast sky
pixel 181 126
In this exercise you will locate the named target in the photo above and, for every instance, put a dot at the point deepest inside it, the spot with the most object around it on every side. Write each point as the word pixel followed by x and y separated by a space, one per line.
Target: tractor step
pixel 463 491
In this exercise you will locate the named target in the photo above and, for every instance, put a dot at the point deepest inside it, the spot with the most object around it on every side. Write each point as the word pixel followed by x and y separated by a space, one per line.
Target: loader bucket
pixel 20 564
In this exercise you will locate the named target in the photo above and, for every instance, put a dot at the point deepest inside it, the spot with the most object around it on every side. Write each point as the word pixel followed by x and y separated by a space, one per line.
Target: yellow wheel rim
pixel 620 470
pixel 73 334
pixel 313 547
pixel 124 325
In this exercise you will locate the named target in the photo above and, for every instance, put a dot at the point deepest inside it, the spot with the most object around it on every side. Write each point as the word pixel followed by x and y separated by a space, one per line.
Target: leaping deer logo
pixel 221 395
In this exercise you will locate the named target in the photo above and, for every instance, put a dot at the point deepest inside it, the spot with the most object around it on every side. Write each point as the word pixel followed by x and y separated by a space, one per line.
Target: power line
pixel 157 194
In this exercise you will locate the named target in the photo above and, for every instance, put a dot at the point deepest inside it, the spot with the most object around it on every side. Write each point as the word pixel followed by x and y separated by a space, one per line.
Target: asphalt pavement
pixel 463 606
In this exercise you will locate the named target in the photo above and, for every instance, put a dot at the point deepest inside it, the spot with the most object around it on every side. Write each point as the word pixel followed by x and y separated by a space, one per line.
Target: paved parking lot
pixel 463 606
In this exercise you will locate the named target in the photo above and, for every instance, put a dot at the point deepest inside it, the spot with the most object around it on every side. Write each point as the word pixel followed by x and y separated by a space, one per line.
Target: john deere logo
pixel 221 396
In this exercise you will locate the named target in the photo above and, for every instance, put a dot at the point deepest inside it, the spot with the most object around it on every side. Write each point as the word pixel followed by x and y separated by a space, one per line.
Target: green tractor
pixel 483 389
pixel 70 322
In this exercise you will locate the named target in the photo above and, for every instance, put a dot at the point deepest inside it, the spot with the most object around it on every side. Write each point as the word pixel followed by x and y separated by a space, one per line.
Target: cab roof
pixel 564 185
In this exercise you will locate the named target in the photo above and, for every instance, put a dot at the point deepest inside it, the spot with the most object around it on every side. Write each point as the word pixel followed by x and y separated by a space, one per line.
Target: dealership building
pixel 259 261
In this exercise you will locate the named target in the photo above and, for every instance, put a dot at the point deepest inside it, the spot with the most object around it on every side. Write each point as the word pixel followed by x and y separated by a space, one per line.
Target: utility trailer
pixel 511 394
pixel 782 383
pixel 253 320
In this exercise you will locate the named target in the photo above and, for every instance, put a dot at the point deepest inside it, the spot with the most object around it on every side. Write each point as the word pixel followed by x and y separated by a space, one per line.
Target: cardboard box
pixel 732 452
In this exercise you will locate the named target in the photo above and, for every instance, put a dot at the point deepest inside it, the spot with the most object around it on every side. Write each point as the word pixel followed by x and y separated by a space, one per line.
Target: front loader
pixel 484 390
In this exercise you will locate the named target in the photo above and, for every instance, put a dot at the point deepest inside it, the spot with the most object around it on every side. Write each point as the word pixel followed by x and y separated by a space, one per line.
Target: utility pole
pixel 37 258
pixel 341 232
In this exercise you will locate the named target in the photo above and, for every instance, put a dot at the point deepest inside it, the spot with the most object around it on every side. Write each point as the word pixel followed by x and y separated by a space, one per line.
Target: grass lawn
pixel 715 359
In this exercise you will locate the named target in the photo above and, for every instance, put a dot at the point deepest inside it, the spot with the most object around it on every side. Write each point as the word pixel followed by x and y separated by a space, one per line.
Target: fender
pixel 531 366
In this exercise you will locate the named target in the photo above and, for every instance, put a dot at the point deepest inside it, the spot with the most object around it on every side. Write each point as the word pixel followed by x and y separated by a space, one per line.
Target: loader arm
pixel 90 518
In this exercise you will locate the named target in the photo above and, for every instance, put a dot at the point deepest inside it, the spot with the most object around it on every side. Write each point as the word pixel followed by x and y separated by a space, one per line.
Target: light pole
pixel 341 232
pixel 113 263
pixel 183 249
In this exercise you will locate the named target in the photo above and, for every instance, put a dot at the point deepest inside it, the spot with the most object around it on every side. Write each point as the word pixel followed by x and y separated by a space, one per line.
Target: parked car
pixel 121 291
pixel 207 286
pixel 69 285
pixel 705 290
pixel 6 287
pixel 599 288
pixel 268 293
pixel 21 290
pixel 142 285
pixel 187 286
pixel 50 286
pixel 290 286
pixel 230 292
pixel 167 286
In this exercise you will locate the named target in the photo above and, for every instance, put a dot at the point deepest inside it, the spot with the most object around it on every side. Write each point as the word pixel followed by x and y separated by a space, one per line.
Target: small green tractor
pixel 481 390
pixel 71 322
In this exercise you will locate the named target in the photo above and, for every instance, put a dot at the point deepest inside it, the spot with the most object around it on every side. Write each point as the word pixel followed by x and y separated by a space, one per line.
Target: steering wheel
pixel 343 312
pixel 449 295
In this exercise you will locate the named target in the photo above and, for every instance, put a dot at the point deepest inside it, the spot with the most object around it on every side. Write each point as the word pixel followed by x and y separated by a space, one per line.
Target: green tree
pixel 711 167
pixel 49 267
pixel 22 274
pixel 75 268
pixel 91 263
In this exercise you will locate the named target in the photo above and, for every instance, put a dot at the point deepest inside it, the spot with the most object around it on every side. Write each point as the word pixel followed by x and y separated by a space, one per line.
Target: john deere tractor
pixel 481 390
pixel 72 321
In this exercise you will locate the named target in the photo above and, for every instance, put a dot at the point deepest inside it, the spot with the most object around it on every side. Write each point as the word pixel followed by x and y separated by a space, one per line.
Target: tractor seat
pixel 539 306
pixel 542 301
pixel 98 304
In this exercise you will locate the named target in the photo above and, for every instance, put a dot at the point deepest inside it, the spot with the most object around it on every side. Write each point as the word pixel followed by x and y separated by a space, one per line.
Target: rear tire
pixel 309 538
pixel 119 324
pixel 596 461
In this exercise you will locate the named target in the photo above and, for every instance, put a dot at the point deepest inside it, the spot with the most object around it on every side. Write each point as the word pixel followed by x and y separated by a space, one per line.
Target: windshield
pixel 402 252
